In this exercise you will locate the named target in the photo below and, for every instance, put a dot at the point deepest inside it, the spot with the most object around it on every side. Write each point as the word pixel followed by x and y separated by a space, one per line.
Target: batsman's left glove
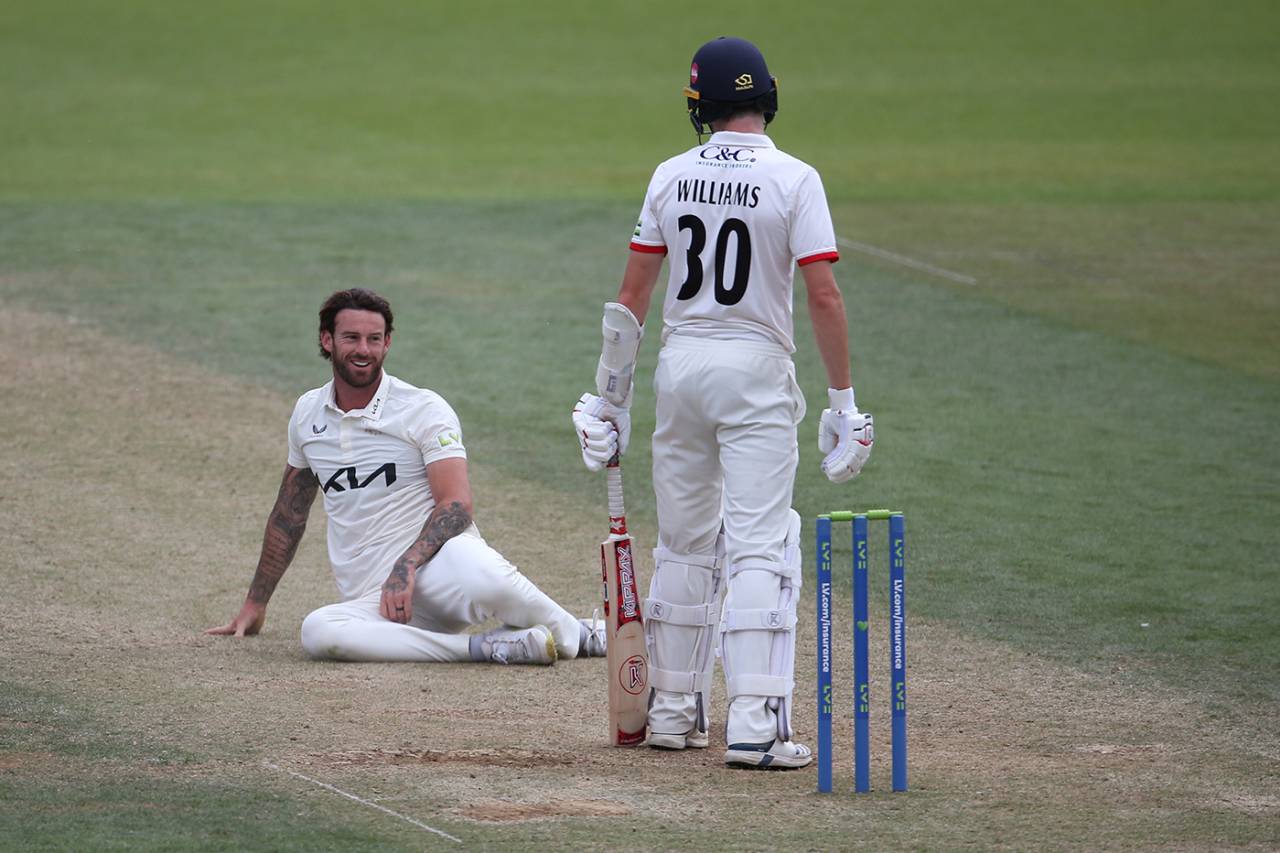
pixel 845 435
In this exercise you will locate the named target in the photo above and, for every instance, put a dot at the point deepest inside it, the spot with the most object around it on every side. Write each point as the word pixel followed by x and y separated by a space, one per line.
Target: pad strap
pixel 678 682
pixel 706 561
pixel 789 570
pixel 753 684
pixel 783 619
pixel 689 615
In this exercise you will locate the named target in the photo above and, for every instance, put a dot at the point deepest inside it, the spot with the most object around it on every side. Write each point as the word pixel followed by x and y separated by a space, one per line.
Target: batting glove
pixel 845 435
pixel 603 429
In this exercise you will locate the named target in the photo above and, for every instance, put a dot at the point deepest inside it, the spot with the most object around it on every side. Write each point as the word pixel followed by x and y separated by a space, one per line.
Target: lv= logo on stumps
pixel 625 653
pixel 861 622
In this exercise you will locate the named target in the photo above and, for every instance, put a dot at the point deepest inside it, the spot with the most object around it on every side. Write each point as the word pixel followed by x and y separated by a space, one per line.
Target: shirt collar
pixel 371 412
pixel 730 137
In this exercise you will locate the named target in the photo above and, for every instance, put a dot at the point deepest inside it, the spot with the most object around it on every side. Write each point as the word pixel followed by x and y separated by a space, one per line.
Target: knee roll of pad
pixel 680 635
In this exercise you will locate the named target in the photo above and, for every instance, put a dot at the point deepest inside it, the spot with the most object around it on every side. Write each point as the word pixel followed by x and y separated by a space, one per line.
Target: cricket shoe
pixel 692 739
pixel 771 755
pixel 593 642
pixel 533 645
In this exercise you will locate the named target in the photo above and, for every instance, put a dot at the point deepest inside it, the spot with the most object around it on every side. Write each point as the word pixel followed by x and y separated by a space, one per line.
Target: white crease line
pixel 885 254
pixel 329 787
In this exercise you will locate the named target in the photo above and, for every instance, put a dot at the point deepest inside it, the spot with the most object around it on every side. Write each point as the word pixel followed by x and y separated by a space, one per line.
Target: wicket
pixel 897 647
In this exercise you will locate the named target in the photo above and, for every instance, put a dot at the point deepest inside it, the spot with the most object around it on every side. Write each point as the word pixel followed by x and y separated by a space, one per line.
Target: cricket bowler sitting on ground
pixel 737 216
pixel 412 570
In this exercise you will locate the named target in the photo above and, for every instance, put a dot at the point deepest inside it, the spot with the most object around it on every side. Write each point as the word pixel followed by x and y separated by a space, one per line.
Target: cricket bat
pixel 627 658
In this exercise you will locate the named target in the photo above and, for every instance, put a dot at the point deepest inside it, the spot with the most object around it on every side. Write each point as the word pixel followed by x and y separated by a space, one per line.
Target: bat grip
pixel 617 512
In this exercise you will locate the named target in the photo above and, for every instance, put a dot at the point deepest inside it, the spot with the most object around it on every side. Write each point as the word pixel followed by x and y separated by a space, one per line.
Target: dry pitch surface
pixel 136 491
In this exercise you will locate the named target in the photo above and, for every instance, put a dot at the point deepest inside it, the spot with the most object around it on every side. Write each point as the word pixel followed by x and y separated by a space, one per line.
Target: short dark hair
pixel 359 298
pixel 765 105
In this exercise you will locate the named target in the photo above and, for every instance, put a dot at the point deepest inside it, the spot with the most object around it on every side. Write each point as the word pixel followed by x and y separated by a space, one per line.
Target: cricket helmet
pixel 727 75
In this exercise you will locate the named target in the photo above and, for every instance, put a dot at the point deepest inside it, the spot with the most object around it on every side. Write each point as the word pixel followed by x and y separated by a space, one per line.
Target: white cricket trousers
pixel 724 447
pixel 466 583
pixel 724 453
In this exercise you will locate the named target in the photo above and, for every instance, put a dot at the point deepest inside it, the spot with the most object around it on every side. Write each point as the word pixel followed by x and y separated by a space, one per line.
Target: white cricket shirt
pixel 736 215
pixel 372 467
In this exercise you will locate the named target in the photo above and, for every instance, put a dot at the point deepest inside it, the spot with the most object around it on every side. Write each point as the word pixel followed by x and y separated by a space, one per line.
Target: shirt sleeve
pixel 438 432
pixel 296 459
pixel 813 237
pixel 648 235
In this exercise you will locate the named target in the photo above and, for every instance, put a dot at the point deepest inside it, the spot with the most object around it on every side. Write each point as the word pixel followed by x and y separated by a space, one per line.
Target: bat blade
pixel 626 656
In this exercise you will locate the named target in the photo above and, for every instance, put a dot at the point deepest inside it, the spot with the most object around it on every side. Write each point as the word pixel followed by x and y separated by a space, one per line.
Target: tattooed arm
pixel 452 515
pixel 285 526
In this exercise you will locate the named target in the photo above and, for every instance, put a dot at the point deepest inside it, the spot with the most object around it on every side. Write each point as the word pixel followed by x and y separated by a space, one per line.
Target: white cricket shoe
pixel 692 739
pixel 533 645
pixel 772 755
pixel 594 641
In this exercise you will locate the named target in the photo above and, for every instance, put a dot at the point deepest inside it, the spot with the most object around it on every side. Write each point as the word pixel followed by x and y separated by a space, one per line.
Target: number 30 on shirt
pixel 729 293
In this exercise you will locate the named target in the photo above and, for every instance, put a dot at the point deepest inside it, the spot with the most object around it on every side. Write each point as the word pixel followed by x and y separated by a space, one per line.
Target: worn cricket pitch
pixel 137 486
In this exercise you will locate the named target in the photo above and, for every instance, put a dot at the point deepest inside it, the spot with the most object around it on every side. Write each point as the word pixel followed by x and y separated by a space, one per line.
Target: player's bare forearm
pixel 444 523
pixel 830 323
pixel 285 526
pixel 452 515
pixel 638 281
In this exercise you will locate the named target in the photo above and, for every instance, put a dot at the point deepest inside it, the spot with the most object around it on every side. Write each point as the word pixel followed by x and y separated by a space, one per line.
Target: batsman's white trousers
pixel 465 584
pixel 724 448
pixel 724 452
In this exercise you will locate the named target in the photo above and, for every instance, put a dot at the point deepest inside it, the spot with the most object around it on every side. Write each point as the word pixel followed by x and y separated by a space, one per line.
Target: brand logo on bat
pixel 629 603
pixel 634 675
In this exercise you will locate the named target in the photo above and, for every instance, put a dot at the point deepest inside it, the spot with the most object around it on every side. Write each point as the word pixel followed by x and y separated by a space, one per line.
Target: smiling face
pixel 358 345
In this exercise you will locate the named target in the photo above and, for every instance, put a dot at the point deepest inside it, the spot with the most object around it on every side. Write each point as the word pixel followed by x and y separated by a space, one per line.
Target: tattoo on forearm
pixel 444 523
pixel 285 526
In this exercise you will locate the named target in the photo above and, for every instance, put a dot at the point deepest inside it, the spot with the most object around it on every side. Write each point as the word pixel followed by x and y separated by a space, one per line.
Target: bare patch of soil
pixel 1253 804
pixel 1122 750
pixel 501 811
pixel 497 757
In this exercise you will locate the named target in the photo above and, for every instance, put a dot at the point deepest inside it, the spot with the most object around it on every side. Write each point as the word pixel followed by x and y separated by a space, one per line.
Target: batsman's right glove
pixel 845 435
pixel 603 429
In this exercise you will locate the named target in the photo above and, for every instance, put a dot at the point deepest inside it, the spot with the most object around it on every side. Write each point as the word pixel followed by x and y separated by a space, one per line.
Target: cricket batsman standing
pixel 734 216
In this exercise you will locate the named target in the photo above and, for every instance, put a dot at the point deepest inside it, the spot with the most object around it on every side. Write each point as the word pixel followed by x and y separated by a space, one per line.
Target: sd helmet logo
pixel 743 82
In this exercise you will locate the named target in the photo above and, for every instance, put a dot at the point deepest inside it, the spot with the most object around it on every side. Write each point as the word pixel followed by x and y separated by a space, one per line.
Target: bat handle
pixel 617 512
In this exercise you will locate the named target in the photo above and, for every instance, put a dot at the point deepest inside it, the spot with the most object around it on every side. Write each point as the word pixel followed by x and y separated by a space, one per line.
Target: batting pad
pixel 758 628
pixel 680 615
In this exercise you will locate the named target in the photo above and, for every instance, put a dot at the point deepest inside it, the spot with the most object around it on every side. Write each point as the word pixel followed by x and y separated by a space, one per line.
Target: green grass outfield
pixel 1083 439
